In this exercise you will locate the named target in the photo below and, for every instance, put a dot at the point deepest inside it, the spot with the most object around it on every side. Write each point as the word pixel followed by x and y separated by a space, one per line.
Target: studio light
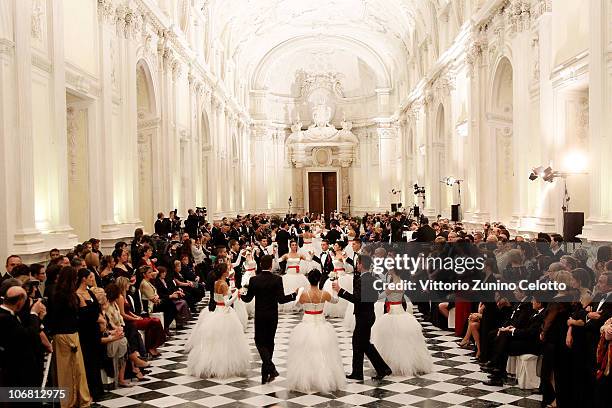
pixel 547 174
pixel 450 181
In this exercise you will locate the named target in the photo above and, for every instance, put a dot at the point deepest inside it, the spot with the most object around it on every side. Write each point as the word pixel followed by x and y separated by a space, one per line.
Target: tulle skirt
pixel 349 318
pixel 338 309
pixel 398 336
pixel 218 346
pixel 314 363
pixel 292 281
pixel 250 308
pixel 241 310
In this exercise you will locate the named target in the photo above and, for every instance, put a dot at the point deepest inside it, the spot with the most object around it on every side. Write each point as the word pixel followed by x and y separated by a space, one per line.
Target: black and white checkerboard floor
pixel 456 381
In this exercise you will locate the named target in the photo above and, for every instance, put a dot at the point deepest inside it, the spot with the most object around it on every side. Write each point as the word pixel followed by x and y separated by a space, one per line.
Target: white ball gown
pixel 292 280
pixel 250 269
pixel 218 346
pixel 345 280
pixel 398 337
pixel 314 363
pixel 239 306
pixel 308 264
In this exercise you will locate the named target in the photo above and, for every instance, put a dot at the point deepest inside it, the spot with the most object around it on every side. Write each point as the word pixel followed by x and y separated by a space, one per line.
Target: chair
pixel 511 365
pixel 528 371
pixel 160 316
pixel 451 318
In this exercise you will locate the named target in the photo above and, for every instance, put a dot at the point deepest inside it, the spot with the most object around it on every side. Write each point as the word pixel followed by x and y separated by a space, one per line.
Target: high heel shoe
pixel 142 364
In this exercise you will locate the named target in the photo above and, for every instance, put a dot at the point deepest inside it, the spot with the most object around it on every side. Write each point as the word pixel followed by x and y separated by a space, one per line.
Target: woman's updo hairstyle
pixel 314 276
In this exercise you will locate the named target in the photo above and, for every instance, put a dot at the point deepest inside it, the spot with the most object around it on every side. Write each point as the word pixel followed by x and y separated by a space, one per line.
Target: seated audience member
pixel 604 254
pixel 93 264
pixel 513 341
pixel 154 331
pixel 134 341
pixel 194 291
pixel 152 302
pixel 169 292
pixel 114 342
pixel 107 275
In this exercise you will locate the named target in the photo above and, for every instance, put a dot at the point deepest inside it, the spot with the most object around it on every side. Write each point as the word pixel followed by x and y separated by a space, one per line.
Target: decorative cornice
pixel 42 62
pixel 7 47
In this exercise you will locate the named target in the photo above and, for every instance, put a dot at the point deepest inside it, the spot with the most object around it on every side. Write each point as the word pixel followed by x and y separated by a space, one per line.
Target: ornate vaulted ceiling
pixel 257 33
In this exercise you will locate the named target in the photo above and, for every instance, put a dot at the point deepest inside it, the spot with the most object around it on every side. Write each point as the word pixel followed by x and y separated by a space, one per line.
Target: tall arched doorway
pixel 500 122
pixel 147 128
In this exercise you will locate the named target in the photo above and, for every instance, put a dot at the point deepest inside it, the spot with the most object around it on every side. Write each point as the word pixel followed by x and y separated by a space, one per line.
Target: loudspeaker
pixel 416 211
pixel 455 213
pixel 394 208
pixel 572 226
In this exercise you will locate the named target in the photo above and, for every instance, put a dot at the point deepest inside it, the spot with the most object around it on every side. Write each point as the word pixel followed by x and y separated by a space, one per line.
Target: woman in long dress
pixel 239 306
pixel 292 279
pixel 218 346
pixel 314 363
pixel 344 273
pixel 308 250
pixel 250 269
pixel 398 336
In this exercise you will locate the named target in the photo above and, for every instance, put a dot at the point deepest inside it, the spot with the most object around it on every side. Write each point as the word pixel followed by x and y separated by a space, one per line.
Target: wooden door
pixel 315 192
pixel 330 197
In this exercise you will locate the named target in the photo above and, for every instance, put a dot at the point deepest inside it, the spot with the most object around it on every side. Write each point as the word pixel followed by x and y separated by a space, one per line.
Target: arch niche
pixel 501 131
pixel 148 125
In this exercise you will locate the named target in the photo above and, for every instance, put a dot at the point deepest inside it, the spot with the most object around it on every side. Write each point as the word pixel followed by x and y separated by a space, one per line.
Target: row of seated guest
pixel 564 328
pixel 94 318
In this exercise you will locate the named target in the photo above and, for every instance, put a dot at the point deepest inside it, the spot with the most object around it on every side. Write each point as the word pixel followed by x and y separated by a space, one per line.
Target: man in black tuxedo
pixel 557 252
pixel 514 341
pixel 192 224
pixel 20 341
pixel 282 239
pixel 247 231
pixel 356 245
pixel 397 226
pixel 425 233
pixel 221 238
pixel 234 232
pixel 333 234
pixel 268 291
pixel 363 297
pixel 262 249
pixel 325 259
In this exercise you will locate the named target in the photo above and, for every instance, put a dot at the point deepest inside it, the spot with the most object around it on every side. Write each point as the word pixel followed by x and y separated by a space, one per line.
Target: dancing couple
pixel 219 348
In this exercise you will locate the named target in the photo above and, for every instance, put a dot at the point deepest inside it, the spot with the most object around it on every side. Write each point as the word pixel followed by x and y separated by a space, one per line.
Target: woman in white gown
pixel 314 363
pixel 308 249
pixel 218 346
pixel 250 269
pixel 293 278
pixel 239 306
pixel 398 336
pixel 344 273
